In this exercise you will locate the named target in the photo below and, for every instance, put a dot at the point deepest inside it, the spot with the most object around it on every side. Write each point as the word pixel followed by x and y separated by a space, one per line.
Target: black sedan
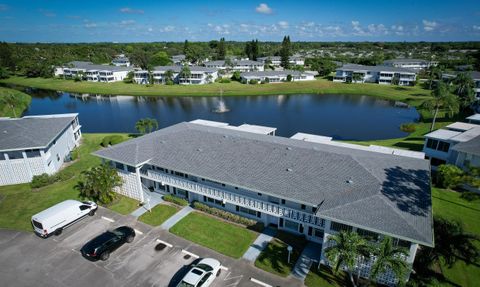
pixel 101 246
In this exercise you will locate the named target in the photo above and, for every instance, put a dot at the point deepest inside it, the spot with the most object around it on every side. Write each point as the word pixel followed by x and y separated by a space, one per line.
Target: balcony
pixel 233 198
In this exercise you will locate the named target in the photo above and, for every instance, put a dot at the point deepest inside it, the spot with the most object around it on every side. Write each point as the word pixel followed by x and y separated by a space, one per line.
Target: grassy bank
pixel 22 101
pixel 320 86
pixel 19 202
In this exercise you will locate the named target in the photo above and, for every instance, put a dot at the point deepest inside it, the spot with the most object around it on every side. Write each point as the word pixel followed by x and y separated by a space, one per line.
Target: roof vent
pixel 349 181
pixel 199 149
pixel 289 148
pixel 289 169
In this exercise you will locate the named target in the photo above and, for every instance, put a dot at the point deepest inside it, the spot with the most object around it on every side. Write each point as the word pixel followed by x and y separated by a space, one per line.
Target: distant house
pixel 237 65
pixel 121 61
pixel 198 75
pixel 178 60
pixel 276 76
pixel 276 61
pixel 474 119
pixel 35 145
pixel 440 146
pixel 92 72
pixel 375 74
pixel 414 64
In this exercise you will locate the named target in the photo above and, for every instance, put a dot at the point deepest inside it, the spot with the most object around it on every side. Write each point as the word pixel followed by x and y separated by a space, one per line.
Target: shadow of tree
pixel 410 146
pixel 409 189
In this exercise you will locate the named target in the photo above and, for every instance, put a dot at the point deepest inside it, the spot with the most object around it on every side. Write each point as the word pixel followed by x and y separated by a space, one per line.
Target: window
pixel 432 144
pixel 303 206
pixel 58 157
pixel 214 201
pixel 318 233
pixel 248 211
pixel 2 156
pixel 119 165
pixel 335 226
pixel 443 146
pixel 367 234
pixel 14 154
pixel 273 199
pixel 291 225
pixel 84 207
pixel 182 192
pixel 436 162
pixel 283 201
pixel 259 194
pixel 32 153
pixel 130 168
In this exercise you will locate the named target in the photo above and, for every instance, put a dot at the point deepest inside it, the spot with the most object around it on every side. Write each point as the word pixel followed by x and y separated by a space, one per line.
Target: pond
pixel 343 117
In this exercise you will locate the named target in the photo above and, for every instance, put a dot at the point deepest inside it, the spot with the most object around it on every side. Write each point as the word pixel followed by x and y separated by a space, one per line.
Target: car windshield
pixel 185 284
pixel 116 232
pixel 204 267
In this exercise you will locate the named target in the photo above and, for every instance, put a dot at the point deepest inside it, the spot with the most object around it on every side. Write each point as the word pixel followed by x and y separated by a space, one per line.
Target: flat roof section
pixel 461 127
pixel 475 117
pixel 442 134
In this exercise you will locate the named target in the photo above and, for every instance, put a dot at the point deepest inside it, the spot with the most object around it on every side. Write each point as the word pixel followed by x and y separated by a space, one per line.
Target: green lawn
pixel 324 278
pixel 411 95
pixel 124 205
pixel 450 205
pixel 223 237
pixel 19 202
pixel 159 214
pixel 274 258
pixel 22 102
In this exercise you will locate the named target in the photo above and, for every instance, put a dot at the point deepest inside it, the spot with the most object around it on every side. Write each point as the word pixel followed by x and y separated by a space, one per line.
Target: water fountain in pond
pixel 221 106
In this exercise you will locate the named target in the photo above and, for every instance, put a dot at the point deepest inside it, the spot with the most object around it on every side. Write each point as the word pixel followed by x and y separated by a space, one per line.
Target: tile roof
pixel 380 192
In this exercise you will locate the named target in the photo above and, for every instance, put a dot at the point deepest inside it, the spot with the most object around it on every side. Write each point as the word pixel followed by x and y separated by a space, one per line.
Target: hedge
pixel 408 127
pixel 45 179
pixel 175 199
pixel 111 140
pixel 228 216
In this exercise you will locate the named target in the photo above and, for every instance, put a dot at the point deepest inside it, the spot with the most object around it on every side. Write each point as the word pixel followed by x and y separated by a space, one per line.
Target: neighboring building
pixel 35 145
pixel 237 65
pixel 474 119
pixel 440 145
pixel 92 72
pixel 308 188
pixel 276 76
pixel 375 74
pixel 413 64
pixel 276 61
pixel 468 153
pixel 121 61
pixel 179 60
pixel 198 75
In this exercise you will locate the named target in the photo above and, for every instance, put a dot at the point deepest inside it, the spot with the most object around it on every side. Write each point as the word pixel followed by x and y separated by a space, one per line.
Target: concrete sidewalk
pixel 259 244
pixel 154 199
pixel 176 217
pixel 309 254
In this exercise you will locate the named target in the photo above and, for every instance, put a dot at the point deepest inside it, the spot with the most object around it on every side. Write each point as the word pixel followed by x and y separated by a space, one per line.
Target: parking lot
pixel 154 258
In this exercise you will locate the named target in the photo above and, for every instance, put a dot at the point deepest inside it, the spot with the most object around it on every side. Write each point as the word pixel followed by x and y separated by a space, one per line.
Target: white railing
pixel 231 197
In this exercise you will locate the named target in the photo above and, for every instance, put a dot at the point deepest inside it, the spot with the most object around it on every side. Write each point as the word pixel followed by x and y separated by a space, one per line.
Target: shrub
pixel 111 140
pixel 228 216
pixel 175 199
pixel 408 127
pixel 40 180
pixel 289 78
pixel 236 76
pixel 169 82
pixel 449 176
pixel 75 154
pixel 253 82
pixel 225 80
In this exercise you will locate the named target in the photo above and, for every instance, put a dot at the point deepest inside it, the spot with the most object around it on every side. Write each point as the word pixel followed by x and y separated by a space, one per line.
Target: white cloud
pixel 476 27
pixel 127 22
pixel 429 25
pixel 47 13
pixel 90 25
pixel 166 29
pixel 150 29
pixel 263 9
pixel 357 29
pixel 283 24
pixel 128 10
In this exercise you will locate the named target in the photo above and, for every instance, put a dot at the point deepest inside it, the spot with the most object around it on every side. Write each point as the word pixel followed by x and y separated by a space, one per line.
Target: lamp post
pixel 289 248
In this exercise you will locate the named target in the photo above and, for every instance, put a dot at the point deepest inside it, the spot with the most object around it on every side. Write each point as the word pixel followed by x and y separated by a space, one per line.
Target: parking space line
pixel 259 282
pixel 190 253
pixel 166 243
pixel 223 268
pixel 108 219
pixel 138 231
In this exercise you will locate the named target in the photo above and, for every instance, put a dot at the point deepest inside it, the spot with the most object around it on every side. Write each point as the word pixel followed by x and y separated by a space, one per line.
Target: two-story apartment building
pixel 440 145
pixel 34 145
pixel 276 61
pixel 303 187
pixel 354 73
pixel 276 76
pixel 121 61
pixel 236 65
pixel 413 64
pixel 92 72
pixel 198 75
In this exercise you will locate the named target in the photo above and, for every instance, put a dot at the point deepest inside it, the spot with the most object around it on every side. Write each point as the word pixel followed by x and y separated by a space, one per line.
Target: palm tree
pixel 141 126
pixel 356 77
pixel 151 124
pixel 345 248
pixel 99 183
pixel 10 101
pixel 442 98
pixel 389 257
pixel 435 74
pixel 185 72
pixel 464 89
pixel 168 75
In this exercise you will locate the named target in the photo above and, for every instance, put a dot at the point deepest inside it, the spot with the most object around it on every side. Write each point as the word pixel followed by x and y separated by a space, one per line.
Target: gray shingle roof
pixel 271 73
pixel 471 147
pixel 388 194
pixel 90 66
pixel 355 67
pixel 34 132
pixel 177 69
pixel 405 61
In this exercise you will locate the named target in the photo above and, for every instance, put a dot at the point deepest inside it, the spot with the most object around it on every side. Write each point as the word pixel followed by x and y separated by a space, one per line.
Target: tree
pixel 285 52
pixel 236 76
pixel 129 78
pixel 141 126
pixel 289 78
pixel 389 257
pixel 434 74
pixel 10 100
pixel 185 72
pixel 160 59
pixel 186 47
pixel 6 58
pixel 221 49
pixel 449 176
pixel 146 125
pixel 98 183
pixel 464 89
pixel 451 243
pixel 140 58
pixel 344 249
pixel 4 74
pixel 251 50
pixel 442 98
pixel 396 80
pixel 356 77
pixel 168 76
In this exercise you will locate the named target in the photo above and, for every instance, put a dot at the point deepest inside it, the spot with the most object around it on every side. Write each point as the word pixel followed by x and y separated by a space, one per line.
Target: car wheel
pixel 92 212
pixel 130 239
pixel 218 272
pixel 105 255
pixel 58 232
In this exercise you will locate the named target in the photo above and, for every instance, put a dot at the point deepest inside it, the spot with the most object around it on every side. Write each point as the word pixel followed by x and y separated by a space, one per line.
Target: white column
pixel 412 253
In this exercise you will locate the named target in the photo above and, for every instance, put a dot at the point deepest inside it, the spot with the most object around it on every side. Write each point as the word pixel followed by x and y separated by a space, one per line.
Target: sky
pixel 152 21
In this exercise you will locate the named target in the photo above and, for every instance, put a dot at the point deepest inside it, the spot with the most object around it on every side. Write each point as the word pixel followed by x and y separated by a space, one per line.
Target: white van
pixel 61 215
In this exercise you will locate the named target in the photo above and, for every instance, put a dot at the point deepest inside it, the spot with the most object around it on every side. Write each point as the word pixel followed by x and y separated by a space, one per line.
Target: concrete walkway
pixel 259 244
pixel 176 217
pixel 154 199
pixel 310 253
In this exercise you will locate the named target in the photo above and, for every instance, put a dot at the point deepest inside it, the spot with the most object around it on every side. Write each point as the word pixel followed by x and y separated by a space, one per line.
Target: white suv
pixel 201 274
